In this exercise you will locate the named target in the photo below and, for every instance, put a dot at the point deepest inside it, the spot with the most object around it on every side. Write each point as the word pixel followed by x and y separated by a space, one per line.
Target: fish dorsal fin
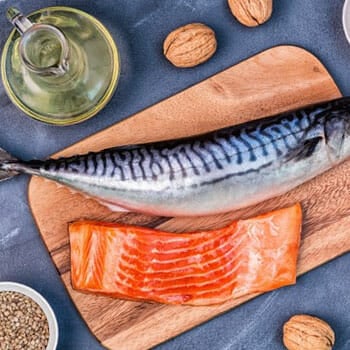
pixel 305 150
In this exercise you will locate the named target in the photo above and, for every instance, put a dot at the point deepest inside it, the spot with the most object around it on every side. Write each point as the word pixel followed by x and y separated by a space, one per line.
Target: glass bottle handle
pixel 21 22
pixel 31 32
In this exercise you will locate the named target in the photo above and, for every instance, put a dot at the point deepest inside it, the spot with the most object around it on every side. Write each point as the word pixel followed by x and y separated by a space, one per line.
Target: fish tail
pixel 6 165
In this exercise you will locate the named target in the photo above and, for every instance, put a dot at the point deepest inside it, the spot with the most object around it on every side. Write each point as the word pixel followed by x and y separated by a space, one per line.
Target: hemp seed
pixel 23 324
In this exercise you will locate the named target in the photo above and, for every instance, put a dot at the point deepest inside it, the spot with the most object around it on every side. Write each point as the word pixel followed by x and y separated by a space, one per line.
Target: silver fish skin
pixel 213 173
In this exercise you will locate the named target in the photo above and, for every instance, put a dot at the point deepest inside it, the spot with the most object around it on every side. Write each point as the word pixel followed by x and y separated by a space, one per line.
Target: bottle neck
pixel 43 48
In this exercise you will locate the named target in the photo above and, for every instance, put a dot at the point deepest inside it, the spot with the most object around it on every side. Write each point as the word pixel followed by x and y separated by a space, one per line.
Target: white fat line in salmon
pixel 203 247
pixel 185 282
pixel 225 267
pixel 150 270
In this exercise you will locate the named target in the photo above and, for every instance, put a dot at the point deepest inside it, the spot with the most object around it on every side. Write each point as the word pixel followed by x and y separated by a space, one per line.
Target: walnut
pixel 190 45
pixel 251 12
pixel 304 332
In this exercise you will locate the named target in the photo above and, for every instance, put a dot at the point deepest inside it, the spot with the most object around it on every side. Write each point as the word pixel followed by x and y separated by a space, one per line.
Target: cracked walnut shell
pixel 251 12
pixel 304 332
pixel 190 45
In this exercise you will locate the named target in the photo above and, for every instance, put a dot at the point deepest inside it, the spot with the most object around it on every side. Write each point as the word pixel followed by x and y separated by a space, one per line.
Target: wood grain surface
pixel 273 81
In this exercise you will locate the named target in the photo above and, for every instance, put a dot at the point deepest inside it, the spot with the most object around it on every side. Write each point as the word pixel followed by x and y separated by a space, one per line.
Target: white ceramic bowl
pixel 346 19
pixel 41 301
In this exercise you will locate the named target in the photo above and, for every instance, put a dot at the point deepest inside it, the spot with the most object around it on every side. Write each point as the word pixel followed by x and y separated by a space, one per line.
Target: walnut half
pixel 304 332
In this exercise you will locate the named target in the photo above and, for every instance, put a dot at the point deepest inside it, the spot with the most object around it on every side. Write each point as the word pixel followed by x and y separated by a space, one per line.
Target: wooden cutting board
pixel 276 80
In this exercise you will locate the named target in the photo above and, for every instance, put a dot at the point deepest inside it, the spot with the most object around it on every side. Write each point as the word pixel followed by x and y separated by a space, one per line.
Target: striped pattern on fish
pixel 220 171
pixel 199 268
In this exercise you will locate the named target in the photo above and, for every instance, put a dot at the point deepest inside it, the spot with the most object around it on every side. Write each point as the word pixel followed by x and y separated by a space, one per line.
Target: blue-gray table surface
pixel 139 27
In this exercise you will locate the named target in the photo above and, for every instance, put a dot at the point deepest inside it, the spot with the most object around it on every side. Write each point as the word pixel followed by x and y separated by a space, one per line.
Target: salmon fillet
pixel 200 268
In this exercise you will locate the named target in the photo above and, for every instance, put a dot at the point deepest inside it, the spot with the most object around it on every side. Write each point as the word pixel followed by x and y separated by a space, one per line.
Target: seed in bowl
pixel 23 324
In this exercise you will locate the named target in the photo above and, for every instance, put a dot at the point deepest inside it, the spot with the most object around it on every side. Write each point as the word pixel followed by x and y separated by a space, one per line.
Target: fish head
pixel 337 132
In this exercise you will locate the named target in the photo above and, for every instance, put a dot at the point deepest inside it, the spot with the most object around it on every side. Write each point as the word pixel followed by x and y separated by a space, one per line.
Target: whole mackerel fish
pixel 217 172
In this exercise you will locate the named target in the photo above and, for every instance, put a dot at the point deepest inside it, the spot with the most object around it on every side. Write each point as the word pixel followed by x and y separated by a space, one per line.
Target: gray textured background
pixel 139 27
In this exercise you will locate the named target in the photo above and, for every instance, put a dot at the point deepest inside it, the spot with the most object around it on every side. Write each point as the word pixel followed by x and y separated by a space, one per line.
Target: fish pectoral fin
pixel 335 134
pixel 305 150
